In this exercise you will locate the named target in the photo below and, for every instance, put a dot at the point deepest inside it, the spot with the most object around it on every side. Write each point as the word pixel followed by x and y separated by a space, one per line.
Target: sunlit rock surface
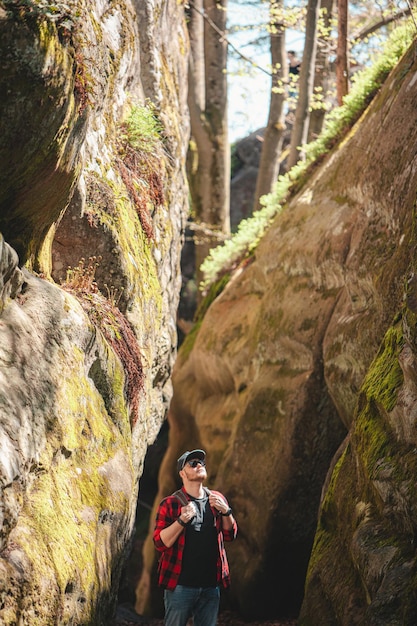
pixel 85 366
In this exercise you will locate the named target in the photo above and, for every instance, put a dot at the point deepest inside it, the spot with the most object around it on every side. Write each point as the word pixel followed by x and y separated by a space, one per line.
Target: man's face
pixel 195 470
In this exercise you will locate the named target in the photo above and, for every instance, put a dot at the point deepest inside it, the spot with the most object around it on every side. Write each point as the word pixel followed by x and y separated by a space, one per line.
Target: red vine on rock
pixel 121 337
pixel 81 83
pixel 140 172
pixel 106 316
pixel 138 200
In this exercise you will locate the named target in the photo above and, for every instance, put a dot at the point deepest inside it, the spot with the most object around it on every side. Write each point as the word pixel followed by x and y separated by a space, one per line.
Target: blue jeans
pixel 201 603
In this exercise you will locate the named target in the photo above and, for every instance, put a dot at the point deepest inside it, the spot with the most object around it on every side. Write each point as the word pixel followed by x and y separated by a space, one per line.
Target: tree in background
pixel 342 60
pixel 306 83
pixel 322 60
pixel 209 156
pixel 271 148
pixel 322 74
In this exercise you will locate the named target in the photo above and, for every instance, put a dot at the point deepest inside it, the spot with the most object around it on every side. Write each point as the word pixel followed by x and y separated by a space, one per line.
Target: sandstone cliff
pixel 363 565
pixel 85 361
pixel 271 382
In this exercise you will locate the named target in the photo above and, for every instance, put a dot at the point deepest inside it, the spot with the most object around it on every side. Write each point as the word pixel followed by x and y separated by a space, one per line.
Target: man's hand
pixel 218 503
pixel 188 512
pixel 170 534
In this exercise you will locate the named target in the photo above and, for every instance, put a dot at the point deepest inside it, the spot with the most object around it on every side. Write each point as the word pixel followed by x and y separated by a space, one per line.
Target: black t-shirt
pixel 199 561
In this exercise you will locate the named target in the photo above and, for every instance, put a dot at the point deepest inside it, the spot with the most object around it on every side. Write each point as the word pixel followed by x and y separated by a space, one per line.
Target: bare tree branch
pixel 223 36
pixel 363 34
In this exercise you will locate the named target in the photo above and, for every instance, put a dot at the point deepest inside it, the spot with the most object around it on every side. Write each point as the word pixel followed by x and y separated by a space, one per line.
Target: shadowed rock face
pixel 363 565
pixel 270 385
pixel 41 134
pixel 85 367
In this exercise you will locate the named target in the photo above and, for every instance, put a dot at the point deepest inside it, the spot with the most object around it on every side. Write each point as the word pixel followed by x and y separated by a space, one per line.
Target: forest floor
pixel 126 616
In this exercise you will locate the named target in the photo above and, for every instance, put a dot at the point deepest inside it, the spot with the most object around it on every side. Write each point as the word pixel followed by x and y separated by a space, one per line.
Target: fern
pixel 142 128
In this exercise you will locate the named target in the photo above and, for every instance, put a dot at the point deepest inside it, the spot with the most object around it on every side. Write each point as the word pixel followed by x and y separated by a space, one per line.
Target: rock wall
pixel 85 356
pixel 268 383
pixel 363 565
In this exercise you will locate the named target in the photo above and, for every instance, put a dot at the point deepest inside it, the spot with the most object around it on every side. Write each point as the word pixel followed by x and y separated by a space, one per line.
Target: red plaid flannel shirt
pixel 171 558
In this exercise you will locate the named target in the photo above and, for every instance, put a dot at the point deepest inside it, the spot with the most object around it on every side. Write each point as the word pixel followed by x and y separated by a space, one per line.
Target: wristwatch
pixel 228 512
pixel 180 521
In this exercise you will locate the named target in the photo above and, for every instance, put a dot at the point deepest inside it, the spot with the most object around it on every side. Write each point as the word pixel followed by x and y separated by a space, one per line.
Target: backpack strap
pixel 183 498
pixel 180 495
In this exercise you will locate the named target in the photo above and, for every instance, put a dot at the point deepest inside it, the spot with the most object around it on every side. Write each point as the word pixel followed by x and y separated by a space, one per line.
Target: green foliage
pixel 142 128
pixel 243 243
pixel 140 151
pixel 250 231
pixel 365 86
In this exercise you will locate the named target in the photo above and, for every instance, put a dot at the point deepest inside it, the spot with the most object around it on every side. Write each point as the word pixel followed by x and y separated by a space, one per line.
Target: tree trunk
pixel 209 165
pixel 302 113
pixel 271 149
pixel 322 71
pixel 342 69
pixel 195 15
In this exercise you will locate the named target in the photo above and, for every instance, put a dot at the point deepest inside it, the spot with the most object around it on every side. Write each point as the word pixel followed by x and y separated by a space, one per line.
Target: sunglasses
pixel 196 462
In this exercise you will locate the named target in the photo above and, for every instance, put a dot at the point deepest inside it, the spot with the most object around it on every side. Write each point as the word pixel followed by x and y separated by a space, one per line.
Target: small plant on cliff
pixel 140 164
pixel 142 129
pixel 105 315
pixel 82 277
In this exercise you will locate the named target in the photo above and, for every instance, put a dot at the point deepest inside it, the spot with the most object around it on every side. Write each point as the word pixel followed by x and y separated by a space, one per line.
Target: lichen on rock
pixel 76 417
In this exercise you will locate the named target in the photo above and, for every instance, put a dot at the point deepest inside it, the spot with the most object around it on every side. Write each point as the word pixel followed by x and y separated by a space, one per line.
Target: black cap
pixel 194 454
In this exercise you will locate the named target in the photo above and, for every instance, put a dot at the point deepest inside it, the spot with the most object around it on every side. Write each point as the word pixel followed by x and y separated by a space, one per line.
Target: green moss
pixel 385 374
pixel 372 434
pixel 272 321
pixel 330 569
pixel 214 291
pixel 63 507
pixel 371 491
pixel 188 343
pixel 372 439
pixel 328 509
pixel 69 542
pixel 135 248
pixel 308 323
pixel 260 418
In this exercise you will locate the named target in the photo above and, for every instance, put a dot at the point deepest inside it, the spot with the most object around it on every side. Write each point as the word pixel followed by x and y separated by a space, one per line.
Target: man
pixel 294 65
pixel 190 528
